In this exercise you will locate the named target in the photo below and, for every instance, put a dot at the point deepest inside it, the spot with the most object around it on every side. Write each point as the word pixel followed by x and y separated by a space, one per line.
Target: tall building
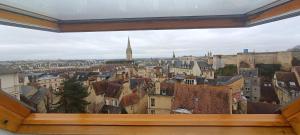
pixel 129 51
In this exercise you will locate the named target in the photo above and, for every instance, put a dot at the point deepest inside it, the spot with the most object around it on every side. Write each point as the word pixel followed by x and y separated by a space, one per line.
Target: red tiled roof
pixel 202 99
pixel 169 87
pixel 130 99
pixel 110 89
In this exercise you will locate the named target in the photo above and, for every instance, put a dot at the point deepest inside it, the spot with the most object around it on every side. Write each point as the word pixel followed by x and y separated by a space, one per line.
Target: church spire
pixel 128 50
pixel 173 55
pixel 128 44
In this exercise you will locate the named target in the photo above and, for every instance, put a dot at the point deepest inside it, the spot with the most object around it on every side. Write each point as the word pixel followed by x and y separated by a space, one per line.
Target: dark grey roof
pixel 25 90
pixel 38 96
pixel 286 78
pixel 203 64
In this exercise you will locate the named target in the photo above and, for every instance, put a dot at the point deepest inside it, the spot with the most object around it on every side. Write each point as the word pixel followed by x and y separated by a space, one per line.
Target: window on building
pixel 114 103
pixel 152 111
pixel 106 102
pixel 152 102
pixel 163 92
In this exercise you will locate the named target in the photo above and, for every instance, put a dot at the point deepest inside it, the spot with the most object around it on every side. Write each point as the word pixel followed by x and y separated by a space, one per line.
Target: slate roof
pixel 39 95
pixel 267 92
pixel 138 81
pixel 262 108
pixel 111 109
pixel 28 91
pixel 202 99
pixel 287 78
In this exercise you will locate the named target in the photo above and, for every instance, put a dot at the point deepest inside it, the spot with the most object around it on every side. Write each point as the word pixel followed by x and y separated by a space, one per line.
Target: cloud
pixel 21 43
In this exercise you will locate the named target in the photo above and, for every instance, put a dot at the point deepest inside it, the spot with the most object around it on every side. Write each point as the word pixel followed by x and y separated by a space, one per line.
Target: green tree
pixel 72 98
pixel 228 70
pixel 268 70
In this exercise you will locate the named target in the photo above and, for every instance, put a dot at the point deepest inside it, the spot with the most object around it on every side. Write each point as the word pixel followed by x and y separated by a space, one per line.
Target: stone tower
pixel 128 51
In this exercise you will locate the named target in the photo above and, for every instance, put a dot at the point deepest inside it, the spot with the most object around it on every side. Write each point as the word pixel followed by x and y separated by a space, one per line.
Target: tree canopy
pixel 72 98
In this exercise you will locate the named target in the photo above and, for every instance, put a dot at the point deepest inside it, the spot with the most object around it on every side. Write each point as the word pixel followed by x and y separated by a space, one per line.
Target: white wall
pixel 10 84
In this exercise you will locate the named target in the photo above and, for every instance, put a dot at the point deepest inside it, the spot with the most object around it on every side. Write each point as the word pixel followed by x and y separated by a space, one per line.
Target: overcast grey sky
pixel 23 44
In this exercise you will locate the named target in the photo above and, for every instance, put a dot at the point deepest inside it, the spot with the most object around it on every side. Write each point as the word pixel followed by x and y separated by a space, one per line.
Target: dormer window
pixel 292 83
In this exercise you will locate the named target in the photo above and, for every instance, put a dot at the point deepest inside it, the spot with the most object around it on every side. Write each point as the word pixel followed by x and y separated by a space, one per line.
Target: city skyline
pixel 27 44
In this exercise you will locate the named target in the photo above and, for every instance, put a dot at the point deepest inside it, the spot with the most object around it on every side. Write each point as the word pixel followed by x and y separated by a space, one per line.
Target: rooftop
pixel 287 80
pixel 202 99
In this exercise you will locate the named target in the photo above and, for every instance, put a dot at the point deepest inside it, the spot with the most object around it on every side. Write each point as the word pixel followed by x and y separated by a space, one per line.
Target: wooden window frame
pixel 266 14
pixel 20 119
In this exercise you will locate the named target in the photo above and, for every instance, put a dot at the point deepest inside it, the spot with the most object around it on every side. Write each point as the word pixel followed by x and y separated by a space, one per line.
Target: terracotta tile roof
pixel 130 99
pixel 110 89
pixel 262 108
pixel 169 87
pixel 202 99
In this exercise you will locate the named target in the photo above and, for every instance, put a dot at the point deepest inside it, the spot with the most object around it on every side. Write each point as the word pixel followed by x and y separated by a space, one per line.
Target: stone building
pixel 135 102
pixel 284 58
pixel 9 81
pixel 251 88
pixel 286 86
pixel 195 68
pixel 50 82
pixel 105 97
pixel 159 101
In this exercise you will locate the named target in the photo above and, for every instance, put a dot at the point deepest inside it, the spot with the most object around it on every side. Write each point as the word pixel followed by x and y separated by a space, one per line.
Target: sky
pixel 27 44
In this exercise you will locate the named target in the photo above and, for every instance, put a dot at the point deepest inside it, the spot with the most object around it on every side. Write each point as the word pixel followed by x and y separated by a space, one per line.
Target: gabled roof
pixel 130 99
pixel 287 80
pixel 108 88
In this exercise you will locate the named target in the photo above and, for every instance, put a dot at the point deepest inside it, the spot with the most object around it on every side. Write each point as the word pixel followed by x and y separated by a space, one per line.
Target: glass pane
pixel 109 9
pixel 191 71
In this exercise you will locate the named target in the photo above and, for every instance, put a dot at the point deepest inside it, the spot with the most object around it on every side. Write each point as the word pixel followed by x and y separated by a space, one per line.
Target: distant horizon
pixel 18 44
pixel 249 51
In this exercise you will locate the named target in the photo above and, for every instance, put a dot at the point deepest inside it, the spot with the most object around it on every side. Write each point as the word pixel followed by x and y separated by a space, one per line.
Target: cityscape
pixel 154 67
pixel 247 82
